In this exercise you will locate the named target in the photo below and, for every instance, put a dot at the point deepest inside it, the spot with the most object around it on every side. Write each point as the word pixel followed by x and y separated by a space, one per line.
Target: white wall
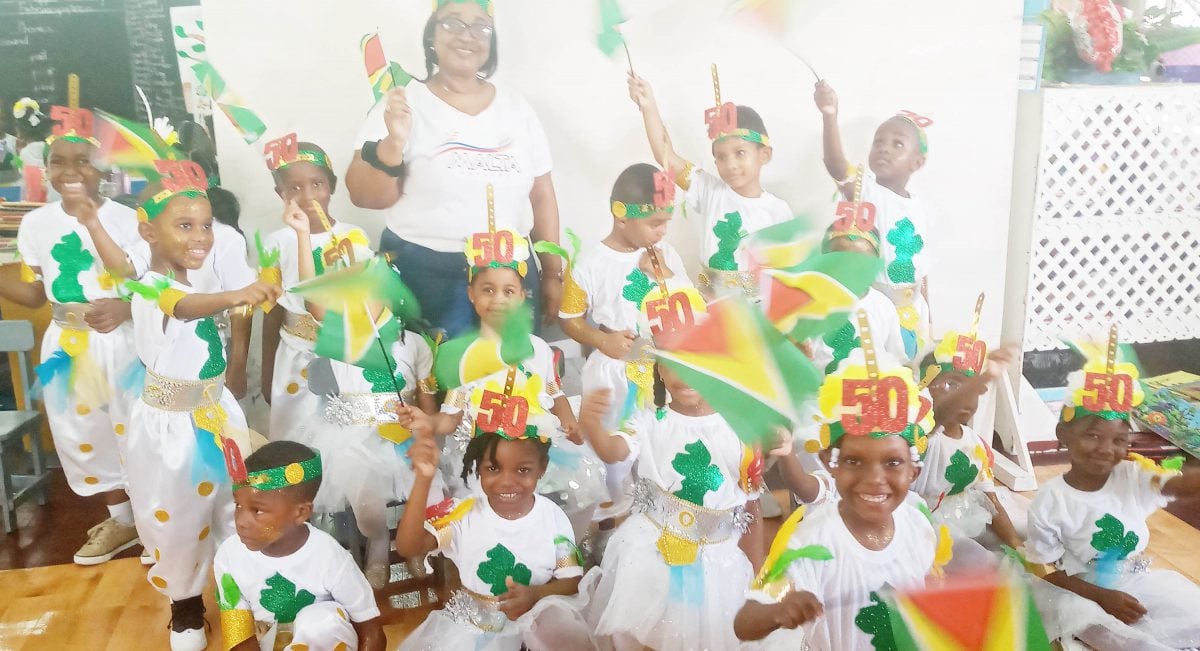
pixel 297 63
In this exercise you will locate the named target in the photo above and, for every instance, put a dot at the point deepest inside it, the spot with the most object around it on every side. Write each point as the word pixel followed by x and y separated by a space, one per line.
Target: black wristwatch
pixel 371 157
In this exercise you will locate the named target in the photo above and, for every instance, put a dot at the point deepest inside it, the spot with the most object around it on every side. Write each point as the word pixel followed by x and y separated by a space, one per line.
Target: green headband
pixel 154 206
pixel 309 156
pixel 292 474
pixel 637 210
pixel 485 5
pixel 922 140
pixel 747 135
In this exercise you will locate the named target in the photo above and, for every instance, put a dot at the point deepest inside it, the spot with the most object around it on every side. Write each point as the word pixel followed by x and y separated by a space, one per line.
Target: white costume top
pixel 713 199
pixel 884 325
pixel 953 466
pixel 319 571
pixel 451 159
pixel 602 274
pixel 181 350
pixel 485 547
pixel 696 458
pixel 1069 527
pixel 284 239
pixel 900 220
pixel 846 584
pixel 71 268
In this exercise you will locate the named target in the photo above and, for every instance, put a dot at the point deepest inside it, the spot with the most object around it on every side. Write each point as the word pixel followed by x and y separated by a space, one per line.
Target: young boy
pixel 870 537
pixel 731 206
pixel 186 421
pixel 905 223
pixel 88 344
pixel 303 174
pixel 279 575
pixel 633 287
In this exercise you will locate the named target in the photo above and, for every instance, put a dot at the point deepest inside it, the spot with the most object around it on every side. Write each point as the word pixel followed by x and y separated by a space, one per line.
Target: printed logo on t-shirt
pixel 464 156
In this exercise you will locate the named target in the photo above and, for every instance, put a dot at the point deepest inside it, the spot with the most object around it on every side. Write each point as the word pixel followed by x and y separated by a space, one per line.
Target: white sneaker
pixel 106 540
pixel 191 639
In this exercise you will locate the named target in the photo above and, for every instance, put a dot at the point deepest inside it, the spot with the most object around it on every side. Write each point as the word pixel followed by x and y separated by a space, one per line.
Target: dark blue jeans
pixel 439 281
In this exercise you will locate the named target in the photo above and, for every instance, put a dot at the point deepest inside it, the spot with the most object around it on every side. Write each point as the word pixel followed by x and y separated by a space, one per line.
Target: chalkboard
pixel 110 44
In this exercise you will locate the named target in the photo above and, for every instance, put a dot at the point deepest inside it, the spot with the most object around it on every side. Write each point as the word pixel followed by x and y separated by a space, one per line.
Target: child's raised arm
pixel 610 449
pixel 656 131
pixel 831 138
pixel 198 306
pixel 116 261
pixel 412 540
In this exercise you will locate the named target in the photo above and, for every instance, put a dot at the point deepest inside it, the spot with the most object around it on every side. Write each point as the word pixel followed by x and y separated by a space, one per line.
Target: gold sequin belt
pixel 301 326
pixel 901 295
pixel 719 280
pixel 684 520
pixel 170 394
pixel 474 609
pixel 350 409
pixel 70 316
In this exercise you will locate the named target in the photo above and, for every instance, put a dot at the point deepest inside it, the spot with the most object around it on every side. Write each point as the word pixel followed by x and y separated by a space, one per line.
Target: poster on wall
pixel 187 27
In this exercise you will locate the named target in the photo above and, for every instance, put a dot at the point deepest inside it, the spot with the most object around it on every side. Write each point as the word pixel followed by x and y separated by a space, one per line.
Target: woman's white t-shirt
pixel 451 159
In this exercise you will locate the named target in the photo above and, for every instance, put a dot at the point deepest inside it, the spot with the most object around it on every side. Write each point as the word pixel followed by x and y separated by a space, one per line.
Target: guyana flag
pixel 246 121
pixel 130 145
pixel 817 295
pixel 382 74
pixel 464 359
pixel 990 612
pixel 743 367
pixel 353 298
pixel 609 38
pixel 783 245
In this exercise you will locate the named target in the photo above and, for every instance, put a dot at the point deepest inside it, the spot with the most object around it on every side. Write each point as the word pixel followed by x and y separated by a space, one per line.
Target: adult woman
pixel 428 154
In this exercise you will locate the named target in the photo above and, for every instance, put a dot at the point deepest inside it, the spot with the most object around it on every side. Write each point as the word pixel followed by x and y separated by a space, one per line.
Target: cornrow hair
pixel 484 446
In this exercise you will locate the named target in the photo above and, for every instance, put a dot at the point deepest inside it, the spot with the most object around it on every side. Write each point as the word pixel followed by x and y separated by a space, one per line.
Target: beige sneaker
pixel 106 540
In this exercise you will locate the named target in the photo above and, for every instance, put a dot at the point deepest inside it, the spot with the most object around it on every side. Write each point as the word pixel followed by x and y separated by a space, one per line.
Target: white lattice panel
pixel 1117 216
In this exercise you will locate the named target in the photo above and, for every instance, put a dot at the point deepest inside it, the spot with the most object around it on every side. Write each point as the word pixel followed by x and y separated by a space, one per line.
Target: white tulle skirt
pixel 1170 621
pixel 669 608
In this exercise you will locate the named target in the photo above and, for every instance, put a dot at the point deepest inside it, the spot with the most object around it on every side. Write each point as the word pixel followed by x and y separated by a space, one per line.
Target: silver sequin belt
pixel 70 315
pixel 170 394
pixel 480 611
pixel 349 409
pixel 686 520
pixel 719 280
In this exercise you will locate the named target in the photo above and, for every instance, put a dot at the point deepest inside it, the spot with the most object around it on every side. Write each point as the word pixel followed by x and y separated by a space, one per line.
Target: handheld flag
pixel 464 359
pixel 245 120
pixel 383 75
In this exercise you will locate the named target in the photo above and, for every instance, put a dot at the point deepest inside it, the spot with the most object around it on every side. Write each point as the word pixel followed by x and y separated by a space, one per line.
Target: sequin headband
pixel 272 479
pixel 664 199
pixel 485 5
pixel 281 152
pixel 493 248
pixel 919 122
pixel 1106 388
pixel 178 178
pixel 959 353
pixel 72 125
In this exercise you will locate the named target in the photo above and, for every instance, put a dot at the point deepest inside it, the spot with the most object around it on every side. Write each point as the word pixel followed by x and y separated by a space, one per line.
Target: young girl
pixel 88 345
pixel 303 174
pixel 731 206
pixel 870 537
pixel 956 481
pixel 633 287
pixel 574 478
pixel 1090 525
pixel 355 428
pixel 672 574
pixel 513 548
pixel 905 222
pixel 186 422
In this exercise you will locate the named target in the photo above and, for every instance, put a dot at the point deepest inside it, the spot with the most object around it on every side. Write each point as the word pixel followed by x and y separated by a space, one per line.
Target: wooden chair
pixel 17 337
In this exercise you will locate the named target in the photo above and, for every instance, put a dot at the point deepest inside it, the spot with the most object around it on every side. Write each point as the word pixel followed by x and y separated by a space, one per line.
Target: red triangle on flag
pixel 962 612
pixel 783 301
pixel 709 334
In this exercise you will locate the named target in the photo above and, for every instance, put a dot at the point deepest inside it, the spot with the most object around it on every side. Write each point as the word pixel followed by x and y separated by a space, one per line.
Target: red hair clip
pixel 281 151
pixel 71 121
pixel 181 175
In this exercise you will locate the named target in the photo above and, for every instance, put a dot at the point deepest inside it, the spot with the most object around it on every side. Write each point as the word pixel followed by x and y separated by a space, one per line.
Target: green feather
pixel 1173 463
pixel 814 552
pixel 266 259
pixel 148 292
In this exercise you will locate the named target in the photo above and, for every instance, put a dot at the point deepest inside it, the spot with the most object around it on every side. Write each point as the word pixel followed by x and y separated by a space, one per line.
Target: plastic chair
pixel 17 337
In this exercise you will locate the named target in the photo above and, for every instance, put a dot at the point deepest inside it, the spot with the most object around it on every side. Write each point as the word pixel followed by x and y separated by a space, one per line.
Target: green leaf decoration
pixel 281 599
pixel 381 380
pixel 699 475
pixel 875 621
pixel 729 236
pixel 229 595
pixel 206 329
pixel 814 552
pixel 841 343
pixel 500 565
pixel 72 260
pixel 908 244
pixel 637 289
pixel 1113 538
pixel 960 473
pixel 563 540
pixel 179 31
pixel 266 259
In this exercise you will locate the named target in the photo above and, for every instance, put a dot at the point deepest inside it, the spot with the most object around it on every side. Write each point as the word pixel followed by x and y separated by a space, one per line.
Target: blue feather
pixel 687 584
pixel 209 462
pixel 53 375
pixel 630 402
pixel 59 362
pixel 1108 568
pixel 133 379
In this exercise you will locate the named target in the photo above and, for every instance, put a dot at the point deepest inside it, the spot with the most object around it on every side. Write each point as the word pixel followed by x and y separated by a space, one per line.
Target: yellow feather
pixel 780 544
pixel 945 550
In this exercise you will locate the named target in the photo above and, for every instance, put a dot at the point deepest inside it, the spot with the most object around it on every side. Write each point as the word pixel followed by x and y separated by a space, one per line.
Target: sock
pixel 122 513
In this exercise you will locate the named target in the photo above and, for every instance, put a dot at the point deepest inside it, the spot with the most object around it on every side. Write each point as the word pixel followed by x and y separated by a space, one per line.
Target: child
pixel 671 575
pixel 354 426
pixel 904 221
pixel 632 286
pixel 302 174
pixel 731 206
pixel 279 574
pixel 828 353
pixel 88 345
pixel 513 549
pixel 182 426
pixel 956 480
pixel 870 537
pixel 574 477
pixel 1090 525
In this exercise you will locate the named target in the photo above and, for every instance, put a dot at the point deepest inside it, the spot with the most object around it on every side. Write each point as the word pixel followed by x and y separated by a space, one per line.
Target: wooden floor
pixel 111 607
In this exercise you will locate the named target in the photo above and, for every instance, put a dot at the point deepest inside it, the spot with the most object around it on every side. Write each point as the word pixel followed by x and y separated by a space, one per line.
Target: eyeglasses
pixel 456 27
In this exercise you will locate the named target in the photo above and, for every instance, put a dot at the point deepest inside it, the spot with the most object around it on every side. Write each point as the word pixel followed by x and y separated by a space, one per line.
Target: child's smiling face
pixel 510 477
pixel 70 170
pixel 1095 445
pixel 182 235
pixel 495 292
pixel 950 403
pixel 873 475
pixel 895 151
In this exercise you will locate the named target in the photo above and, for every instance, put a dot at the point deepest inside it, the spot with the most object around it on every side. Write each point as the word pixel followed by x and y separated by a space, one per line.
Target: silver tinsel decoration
pixel 339 412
